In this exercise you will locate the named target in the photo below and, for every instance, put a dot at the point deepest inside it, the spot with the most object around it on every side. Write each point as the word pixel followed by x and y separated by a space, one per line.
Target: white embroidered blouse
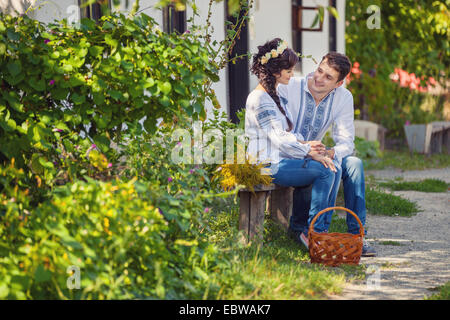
pixel 266 128
pixel 311 122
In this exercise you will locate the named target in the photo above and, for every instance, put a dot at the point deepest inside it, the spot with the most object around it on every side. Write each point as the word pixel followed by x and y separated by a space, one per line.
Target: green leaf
pixel 42 275
pixel 38 85
pixel 165 87
pixel 102 142
pixel 149 82
pixel 127 65
pixel 14 68
pixel 88 24
pixel 115 94
pixel 333 11
pixel 150 124
pixel 96 50
pixel 2 49
pixel 165 101
pixel 55 54
pixel 198 107
pixel 14 80
pixel 315 21
pixel 4 291
pixel 45 163
pixel 110 41
pixel 12 35
pixel 99 98
pixel 78 98
pixel 60 93
pixel 107 26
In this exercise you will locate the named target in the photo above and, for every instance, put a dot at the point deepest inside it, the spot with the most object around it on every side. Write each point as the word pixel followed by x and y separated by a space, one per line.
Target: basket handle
pixel 361 228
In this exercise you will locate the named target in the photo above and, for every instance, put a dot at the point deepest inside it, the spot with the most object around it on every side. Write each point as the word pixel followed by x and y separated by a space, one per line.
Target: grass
pixel 443 294
pixel 279 269
pixel 391 243
pixel 380 203
pixel 407 161
pixel 427 185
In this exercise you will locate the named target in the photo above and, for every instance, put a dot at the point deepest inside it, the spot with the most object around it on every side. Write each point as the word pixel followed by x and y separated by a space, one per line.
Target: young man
pixel 317 102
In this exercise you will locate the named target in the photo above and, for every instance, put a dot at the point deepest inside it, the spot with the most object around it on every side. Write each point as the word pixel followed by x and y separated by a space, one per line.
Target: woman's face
pixel 284 76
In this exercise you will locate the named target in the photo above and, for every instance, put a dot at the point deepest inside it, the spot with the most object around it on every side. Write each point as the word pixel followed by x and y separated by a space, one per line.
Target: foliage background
pixel 413 36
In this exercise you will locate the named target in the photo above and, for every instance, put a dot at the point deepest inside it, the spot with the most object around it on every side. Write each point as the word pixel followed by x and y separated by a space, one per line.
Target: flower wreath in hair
pixel 274 52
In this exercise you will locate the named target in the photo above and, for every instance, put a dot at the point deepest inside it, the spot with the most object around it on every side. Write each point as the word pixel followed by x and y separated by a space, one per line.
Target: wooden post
pixel 257 211
pixel 244 212
pixel 252 209
pixel 281 205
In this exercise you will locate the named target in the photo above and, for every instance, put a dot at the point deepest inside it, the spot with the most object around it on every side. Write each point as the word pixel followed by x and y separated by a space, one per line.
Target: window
pixel 296 34
pixel 332 29
pixel 94 11
pixel 173 20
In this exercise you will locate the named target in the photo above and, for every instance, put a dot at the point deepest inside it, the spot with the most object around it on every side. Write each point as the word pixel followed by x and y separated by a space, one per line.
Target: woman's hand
pixel 327 162
pixel 316 146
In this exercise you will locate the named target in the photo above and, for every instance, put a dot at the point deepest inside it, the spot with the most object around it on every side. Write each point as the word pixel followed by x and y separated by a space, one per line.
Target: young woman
pixel 268 125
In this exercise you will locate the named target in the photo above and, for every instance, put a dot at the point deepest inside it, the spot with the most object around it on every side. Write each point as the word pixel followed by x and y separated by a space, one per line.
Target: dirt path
pixel 420 260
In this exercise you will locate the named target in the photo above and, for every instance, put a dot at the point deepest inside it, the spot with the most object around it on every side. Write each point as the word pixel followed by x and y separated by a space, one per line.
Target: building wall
pixel 316 43
pixel 268 20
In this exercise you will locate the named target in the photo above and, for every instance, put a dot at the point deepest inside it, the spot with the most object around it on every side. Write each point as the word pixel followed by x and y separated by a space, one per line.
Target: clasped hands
pixel 319 153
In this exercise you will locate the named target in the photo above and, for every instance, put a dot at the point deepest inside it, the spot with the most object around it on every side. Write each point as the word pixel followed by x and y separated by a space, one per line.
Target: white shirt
pixel 266 127
pixel 311 122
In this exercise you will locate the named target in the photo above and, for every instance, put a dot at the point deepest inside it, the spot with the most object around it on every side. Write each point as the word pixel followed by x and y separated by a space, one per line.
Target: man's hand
pixel 317 146
pixel 330 153
pixel 327 162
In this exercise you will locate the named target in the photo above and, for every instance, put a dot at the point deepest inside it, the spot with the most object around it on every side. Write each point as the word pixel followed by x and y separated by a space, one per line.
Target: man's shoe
pixel 304 239
pixel 301 237
pixel 367 250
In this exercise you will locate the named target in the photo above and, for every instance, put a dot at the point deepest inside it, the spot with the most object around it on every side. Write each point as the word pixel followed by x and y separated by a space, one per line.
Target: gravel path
pixel 421 262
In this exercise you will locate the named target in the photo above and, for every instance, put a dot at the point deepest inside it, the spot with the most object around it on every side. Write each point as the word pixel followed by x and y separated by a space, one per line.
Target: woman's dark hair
pixel 266 72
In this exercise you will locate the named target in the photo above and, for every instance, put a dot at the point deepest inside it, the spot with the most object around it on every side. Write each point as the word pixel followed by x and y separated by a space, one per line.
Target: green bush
pixel 129 239
pixel 61 85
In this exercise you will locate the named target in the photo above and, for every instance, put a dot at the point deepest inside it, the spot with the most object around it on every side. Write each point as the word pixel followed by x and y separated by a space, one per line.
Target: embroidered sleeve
pixel 271 125
pixel 344 130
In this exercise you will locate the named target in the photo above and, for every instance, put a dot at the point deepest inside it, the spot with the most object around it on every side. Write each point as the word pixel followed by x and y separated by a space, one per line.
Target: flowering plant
pixel 274 52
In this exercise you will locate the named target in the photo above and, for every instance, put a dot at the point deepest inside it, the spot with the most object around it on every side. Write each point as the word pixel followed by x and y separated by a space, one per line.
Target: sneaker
pixel 301 237
pixel 367 250
pixel 304 239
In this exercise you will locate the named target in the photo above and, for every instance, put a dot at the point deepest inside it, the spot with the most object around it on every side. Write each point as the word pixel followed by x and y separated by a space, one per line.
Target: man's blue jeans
pixel 354 196
pixel 324 186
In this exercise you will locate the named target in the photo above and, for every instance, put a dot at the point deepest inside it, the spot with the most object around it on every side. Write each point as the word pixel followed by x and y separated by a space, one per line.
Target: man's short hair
pixel 339 62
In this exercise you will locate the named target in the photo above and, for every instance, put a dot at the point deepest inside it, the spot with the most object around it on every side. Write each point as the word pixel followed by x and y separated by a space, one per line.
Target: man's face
pixel 325 78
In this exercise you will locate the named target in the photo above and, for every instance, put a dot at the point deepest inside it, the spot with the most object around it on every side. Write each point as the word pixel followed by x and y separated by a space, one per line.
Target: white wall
pixel 145 6
pixel 340 26
pixel 217 34
pixel 316 43
pixel 45 11
pixel 269 19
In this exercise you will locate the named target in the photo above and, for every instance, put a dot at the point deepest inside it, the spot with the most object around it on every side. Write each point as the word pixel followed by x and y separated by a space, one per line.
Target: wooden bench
pixel 440 137
pixel 429 138
pixel 274 199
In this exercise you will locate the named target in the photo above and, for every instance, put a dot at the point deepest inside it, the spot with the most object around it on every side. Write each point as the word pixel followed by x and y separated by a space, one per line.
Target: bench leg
pixel 281 205
pixel 251 216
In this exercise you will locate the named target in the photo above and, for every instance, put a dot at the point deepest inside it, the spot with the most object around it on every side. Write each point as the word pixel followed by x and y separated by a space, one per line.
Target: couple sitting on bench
pixel 286 118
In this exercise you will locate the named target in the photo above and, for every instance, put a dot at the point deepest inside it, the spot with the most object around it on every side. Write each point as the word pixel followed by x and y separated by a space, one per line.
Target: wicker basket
pixel 333 249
